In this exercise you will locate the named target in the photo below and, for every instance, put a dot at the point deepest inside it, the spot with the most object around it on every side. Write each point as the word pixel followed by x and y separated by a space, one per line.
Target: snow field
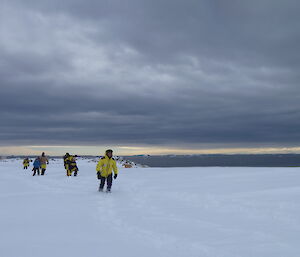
pixel 215 211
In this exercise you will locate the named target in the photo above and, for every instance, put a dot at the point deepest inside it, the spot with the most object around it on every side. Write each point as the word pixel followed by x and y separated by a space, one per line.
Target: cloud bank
pixel 159 73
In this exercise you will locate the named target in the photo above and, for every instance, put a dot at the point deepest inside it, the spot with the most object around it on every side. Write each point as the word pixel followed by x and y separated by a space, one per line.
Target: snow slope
pixel 186 212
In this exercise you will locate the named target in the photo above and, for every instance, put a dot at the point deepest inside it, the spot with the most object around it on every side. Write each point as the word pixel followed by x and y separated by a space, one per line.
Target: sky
pixel 152 77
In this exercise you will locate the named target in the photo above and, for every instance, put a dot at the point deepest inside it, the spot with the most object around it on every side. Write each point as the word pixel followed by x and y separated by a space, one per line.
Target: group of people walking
pixel 70 164
pixel 105 168
pixel 40 163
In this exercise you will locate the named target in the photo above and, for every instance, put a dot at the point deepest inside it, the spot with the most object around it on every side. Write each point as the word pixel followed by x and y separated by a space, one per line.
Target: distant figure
pixel 36 166
pixel 104 170
pixel 127 165
pixel 26 163
pixel 71 165
pixel 66 156
pixel 44 161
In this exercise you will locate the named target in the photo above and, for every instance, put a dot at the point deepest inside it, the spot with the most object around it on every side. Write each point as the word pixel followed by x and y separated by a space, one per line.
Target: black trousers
pixel 36 170
pixel 108 181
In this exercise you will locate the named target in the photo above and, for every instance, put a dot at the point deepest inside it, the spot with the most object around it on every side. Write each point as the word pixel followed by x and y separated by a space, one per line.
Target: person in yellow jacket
pixel 44 161
pixel 104 170
pixel 26 163
pixel 66 156
pixel 71 165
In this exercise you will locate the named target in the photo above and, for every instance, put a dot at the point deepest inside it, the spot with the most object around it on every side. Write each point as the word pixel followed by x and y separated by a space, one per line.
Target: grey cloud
pixel 167 72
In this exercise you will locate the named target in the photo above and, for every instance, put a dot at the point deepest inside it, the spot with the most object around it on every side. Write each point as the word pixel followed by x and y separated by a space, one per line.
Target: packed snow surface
pixel 151 212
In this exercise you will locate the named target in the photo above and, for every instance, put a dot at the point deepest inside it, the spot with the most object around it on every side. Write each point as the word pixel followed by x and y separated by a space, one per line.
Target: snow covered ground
pixel 186 212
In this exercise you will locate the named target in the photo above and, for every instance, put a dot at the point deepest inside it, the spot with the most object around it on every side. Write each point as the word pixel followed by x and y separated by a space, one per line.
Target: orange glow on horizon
pixel 136 150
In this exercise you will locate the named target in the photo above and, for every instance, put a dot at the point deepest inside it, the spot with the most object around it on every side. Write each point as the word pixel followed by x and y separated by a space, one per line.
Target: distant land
pixel 206 160
pixel 236 160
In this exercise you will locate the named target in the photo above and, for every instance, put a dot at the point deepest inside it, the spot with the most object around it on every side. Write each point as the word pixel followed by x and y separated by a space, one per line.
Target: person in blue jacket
pixel 36 166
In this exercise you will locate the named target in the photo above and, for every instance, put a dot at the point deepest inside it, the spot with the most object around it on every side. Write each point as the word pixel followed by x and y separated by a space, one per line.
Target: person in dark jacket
pixel 36 166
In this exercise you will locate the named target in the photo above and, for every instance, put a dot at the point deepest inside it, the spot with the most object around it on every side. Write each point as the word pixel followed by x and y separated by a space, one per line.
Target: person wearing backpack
pixel 71 165
pixel 36 166
pixel 66 156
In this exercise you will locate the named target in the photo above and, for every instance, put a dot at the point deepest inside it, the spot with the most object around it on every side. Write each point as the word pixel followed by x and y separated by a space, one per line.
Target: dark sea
pixel 242 160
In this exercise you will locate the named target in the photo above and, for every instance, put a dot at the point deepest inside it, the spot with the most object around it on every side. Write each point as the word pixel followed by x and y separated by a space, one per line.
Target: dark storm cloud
pixel 149 72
